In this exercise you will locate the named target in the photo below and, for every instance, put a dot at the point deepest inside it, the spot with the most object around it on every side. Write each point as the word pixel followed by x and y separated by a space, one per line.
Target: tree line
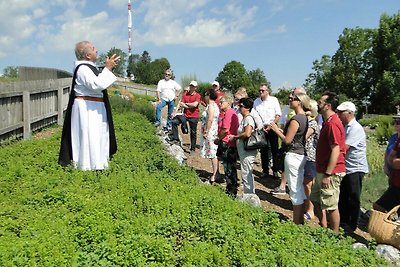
pixel 364 69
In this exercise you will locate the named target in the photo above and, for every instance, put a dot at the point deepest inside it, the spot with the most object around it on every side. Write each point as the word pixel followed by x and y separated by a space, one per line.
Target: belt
pixel 90 98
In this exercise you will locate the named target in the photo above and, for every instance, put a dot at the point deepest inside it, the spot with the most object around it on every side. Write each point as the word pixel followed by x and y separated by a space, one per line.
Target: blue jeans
pixel 160 106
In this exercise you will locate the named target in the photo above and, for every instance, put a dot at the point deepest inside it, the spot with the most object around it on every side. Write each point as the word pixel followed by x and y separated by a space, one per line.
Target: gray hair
pixel 81 50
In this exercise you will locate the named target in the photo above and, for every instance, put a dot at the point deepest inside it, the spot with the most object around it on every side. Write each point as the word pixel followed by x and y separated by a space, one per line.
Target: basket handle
pixel 391 211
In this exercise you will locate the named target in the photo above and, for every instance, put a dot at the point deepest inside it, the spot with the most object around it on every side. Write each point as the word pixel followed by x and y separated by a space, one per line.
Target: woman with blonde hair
pixel 240 93
pixel 310 170
pixel 294 140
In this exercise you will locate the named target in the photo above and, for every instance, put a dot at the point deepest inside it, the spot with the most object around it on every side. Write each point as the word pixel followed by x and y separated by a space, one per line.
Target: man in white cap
pixel 190 103
pixel 220 94
pixel 356 167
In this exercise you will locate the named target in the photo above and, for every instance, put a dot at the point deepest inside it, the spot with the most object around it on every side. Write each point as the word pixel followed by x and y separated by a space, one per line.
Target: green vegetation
pixel 145 210
pixel 365 67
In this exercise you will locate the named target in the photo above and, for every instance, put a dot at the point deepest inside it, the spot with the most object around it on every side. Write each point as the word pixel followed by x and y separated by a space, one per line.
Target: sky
pixel 198 37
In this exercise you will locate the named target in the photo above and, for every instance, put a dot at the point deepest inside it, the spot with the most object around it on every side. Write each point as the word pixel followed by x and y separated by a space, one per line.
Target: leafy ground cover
pixel 145 210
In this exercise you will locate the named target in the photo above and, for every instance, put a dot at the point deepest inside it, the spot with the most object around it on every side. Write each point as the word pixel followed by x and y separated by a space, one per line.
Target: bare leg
pixel 321 215
pixel 334 219
pixel 309 207
pixel 283 181
pixel 298 214
pixel 214 163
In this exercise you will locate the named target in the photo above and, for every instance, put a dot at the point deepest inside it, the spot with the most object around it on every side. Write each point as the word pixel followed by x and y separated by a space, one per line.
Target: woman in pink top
pixel 227 151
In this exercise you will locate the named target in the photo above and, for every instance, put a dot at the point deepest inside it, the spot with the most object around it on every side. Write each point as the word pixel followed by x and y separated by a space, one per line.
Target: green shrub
pixel 145 210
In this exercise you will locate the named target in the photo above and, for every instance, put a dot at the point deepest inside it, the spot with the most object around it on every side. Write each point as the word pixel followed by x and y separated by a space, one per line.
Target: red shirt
pixel 395 173
pixel 332 132
pixel 190 98
pixel 230 121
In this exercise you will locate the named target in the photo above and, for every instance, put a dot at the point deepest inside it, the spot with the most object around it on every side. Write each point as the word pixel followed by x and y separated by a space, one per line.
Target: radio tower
pixel 129 29
pixel 129 75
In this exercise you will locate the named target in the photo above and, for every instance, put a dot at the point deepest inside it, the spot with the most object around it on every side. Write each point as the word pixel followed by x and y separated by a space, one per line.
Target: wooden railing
pixel 27 106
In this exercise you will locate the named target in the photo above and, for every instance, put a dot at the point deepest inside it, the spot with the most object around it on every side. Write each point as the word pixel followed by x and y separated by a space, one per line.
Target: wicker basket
pixel 383 229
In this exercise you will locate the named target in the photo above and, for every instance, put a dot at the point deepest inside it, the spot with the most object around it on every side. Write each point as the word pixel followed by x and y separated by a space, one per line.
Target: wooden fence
pixel 27 106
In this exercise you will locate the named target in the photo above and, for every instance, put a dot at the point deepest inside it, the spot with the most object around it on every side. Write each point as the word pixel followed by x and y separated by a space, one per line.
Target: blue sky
pixel 281 37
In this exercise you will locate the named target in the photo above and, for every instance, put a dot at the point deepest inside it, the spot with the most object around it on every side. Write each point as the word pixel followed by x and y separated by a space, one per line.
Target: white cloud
pixel 177 22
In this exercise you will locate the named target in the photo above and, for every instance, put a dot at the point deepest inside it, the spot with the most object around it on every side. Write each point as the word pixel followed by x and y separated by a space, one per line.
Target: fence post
pixel 60 96
pixel 26 106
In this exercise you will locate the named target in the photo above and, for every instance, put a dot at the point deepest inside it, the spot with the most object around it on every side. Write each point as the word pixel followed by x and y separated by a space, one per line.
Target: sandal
pixel 307 216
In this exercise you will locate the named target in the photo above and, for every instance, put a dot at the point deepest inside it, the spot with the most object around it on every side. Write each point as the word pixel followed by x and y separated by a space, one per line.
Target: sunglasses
pixel 167 74
pixel 293 98
pixel 262 91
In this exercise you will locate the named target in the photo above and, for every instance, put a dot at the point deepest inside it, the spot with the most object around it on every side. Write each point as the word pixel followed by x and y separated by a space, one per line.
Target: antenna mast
pixel 129 29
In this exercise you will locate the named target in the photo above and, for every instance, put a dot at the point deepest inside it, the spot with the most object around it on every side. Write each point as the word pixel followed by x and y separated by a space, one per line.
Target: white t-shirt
pixel 168 89
pixel 264 112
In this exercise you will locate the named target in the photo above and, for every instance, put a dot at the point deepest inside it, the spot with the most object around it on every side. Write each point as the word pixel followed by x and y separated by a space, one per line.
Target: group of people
pixel 323 164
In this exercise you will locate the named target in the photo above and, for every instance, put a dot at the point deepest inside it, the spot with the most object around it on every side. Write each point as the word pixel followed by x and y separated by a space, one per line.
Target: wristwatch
pixel 328 174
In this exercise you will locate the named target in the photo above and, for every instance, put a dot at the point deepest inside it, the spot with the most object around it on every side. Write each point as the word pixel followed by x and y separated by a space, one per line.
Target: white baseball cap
pixel 215 83
pixel 347 106
pixel 194 83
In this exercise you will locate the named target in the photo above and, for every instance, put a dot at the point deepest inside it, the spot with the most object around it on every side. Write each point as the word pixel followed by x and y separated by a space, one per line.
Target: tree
pixel 120 68
pixel 319 80
pixel 386 72
pixel 232 76
pixel 10 72
pixel 256 77
pixel 352 63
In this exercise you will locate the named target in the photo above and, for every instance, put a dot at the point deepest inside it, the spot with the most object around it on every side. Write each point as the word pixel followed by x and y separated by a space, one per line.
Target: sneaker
pixel 278 191
pixel 175 142
pixel 166 129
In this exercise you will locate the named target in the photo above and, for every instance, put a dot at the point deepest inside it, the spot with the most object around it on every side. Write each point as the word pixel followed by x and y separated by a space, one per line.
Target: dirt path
pixel 279 203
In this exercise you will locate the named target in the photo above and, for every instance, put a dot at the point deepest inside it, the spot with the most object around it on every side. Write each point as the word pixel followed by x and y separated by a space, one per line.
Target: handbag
pixel 256 140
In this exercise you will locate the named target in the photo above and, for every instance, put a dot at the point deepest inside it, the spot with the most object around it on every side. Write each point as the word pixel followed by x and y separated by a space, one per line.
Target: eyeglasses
pixel 293 98
pixel 167 74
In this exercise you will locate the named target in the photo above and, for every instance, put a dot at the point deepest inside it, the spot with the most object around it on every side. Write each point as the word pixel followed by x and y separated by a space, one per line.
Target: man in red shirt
pixel 190 103
pixel 330 163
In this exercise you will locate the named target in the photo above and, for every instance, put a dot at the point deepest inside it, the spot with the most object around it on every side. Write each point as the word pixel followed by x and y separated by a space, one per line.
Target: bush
pixel 145 210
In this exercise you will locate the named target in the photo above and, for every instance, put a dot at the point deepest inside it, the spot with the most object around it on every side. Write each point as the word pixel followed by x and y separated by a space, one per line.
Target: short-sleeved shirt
pixel 299 142
pixel 264 111
pixel 395 173
pixel 248 120
pixel 230 122
pixel 168 89
pixel 190 98
pixel 356 155
pixel 332 132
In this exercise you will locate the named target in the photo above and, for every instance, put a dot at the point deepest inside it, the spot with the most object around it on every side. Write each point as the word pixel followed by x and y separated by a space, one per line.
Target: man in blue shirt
pixel 356 167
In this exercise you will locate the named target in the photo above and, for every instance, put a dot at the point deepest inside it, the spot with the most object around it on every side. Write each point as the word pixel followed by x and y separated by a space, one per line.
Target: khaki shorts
pixel 328 198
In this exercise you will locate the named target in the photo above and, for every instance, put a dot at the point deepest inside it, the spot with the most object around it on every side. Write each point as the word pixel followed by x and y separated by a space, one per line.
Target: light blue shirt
pixel 356 155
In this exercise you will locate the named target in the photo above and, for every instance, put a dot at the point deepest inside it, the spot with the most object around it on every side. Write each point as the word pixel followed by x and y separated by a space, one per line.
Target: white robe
pixel 89 125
